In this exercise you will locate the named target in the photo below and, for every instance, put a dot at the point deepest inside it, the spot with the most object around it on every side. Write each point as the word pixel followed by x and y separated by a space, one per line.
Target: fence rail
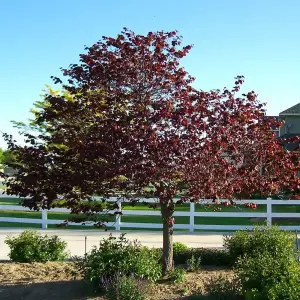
pixel 118 224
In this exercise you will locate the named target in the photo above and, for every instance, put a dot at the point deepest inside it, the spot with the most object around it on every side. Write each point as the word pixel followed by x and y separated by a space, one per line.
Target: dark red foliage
pixel 138 128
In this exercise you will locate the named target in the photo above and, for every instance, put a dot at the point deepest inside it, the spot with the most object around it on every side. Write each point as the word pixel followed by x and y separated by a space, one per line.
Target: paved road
pixel 76 239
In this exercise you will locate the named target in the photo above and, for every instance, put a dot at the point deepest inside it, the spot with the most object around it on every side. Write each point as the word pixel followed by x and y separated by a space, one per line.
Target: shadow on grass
pixel 66 290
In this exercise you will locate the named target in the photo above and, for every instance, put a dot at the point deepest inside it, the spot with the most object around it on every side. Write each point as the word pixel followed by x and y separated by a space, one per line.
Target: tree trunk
pixel 167 219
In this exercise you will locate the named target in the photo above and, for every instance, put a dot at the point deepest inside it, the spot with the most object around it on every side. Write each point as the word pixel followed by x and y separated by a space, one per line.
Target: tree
pixel 1 156
pixel 134 125
pixel 32 126
pixel 7 158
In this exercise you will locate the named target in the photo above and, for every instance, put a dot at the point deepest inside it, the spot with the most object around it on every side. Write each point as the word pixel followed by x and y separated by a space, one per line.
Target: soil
pixel 54 280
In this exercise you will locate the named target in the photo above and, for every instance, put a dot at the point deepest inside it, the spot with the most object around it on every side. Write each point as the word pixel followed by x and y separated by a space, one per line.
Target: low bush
pixel 212 257
pixel 265 263
pixel 181 253
pixel 125 288
pixel 265 277
pixel 119 256
pixel 147 264
pixel 193 264
pixel 177 276
pixel 207 256
pixel 262 239
pixel 30 246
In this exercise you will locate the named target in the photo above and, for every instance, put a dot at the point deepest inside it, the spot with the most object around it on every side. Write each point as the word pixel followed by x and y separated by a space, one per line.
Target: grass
pixel 10 201
pixel 152 219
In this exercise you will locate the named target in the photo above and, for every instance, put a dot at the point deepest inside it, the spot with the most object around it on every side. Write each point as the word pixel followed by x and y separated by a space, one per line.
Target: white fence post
pixel 118 219
pixel 269 211
pixel 44 219
pixel 192 216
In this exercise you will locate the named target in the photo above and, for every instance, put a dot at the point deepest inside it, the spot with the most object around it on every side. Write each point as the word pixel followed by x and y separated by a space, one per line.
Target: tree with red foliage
pixel 133 120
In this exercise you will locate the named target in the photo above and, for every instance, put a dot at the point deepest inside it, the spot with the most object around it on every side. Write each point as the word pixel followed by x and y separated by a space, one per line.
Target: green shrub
pixel 147 264
pixel 177 275
pixel 119 256
pixel 262 239
pixel 157 252
pixel 284 290
pixel 193 264
pixel 265 277
pixel 179 247
pixel 211 256
pixel 125 288
pixel 30 246
pixel 223 288
pixel 207 256
pixel 181 253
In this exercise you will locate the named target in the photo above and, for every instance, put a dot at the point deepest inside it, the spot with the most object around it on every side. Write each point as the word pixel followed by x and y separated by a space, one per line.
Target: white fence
pixel 118 224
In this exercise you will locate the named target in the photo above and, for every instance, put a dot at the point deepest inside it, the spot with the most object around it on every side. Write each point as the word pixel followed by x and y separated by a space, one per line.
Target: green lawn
pixel 151 219
pixel 141 206
pixel 9 201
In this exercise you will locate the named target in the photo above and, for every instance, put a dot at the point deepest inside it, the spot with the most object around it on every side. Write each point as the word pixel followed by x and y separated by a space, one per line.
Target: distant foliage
pixel 30 246
pixel 7 158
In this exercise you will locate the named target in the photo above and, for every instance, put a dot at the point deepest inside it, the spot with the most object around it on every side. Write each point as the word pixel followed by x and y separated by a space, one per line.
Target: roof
pixel 292 110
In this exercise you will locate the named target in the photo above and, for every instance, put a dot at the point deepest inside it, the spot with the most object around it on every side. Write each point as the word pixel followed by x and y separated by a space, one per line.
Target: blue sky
pixel 258 39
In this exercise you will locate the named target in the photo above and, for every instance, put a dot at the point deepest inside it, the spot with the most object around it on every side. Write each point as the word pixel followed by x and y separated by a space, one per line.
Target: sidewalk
pixel 76 239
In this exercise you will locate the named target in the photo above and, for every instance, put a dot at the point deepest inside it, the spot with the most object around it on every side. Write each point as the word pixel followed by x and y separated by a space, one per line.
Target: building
pixel 291 118
pixel 291 126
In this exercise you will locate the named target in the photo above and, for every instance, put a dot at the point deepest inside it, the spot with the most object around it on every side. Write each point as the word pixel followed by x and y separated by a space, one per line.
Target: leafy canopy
pixel 129 118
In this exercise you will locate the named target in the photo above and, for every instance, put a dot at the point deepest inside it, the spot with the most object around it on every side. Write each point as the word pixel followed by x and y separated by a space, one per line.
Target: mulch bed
pixel 54 280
